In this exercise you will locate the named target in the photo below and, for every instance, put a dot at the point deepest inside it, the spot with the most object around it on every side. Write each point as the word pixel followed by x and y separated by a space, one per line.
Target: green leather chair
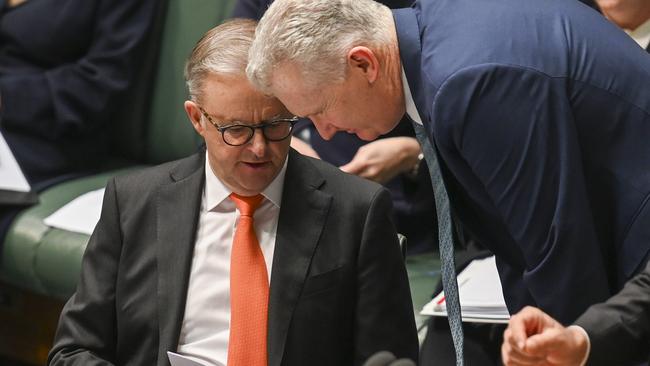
pixel 151 128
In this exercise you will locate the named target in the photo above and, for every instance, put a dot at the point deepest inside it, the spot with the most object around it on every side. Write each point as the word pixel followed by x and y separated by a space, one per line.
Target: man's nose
pixel 258 143
pixel 325 130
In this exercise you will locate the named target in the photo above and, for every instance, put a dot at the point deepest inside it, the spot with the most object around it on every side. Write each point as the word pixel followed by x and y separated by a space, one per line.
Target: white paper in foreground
pixel 80 215
pixel 179 360
pixel 481 295
pixel 11 177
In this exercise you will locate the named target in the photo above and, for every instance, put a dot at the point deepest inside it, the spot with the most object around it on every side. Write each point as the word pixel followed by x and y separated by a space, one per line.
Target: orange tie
pixel 249 290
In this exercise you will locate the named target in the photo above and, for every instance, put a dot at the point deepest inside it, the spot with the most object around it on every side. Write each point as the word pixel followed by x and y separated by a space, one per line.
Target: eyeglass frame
pixel 292 120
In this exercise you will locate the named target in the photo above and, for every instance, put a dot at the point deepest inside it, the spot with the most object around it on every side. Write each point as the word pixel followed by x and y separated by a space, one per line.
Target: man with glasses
pixel 246 253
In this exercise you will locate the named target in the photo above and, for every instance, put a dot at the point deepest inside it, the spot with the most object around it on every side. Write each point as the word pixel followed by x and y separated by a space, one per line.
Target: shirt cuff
pixel 583 331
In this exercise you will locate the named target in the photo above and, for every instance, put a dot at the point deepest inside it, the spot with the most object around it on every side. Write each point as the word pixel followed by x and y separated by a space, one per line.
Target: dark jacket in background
pixel 619 330
pixel 63 66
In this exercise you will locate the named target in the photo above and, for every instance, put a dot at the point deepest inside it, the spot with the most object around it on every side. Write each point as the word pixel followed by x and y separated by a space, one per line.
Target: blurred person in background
pixel 64 65
pixel 616 332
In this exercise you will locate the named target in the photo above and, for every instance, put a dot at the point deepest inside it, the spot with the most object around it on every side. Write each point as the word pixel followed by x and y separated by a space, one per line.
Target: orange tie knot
pixel 246 204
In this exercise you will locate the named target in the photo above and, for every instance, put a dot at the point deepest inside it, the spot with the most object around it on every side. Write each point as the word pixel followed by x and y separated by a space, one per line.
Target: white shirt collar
pixel 216 192
pixel 641 34
pixel 411 109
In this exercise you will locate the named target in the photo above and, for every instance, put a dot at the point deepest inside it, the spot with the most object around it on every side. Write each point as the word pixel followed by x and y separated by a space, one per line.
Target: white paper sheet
pixel 80 215
pixel 481 295
pixel 11 177
pixel 179 360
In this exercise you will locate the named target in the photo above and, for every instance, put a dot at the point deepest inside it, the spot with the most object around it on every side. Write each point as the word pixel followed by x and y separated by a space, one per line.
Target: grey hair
pixel 222 50
pixel 315 35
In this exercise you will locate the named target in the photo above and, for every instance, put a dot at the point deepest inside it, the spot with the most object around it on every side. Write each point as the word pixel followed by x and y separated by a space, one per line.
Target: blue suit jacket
pixel 540 112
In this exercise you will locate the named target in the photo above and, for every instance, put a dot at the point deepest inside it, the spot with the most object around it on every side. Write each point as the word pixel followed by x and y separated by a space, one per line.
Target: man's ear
pixel 364 60
pixel 194 115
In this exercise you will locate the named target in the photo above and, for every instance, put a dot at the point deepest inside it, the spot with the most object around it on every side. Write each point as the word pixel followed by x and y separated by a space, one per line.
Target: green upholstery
pixel 44 259
pixel 424 274
pixel 170 135
pixel 47 261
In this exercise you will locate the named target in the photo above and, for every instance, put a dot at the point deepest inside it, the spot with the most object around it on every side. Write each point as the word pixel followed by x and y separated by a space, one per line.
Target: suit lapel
pixel 178 206
pixel 302 218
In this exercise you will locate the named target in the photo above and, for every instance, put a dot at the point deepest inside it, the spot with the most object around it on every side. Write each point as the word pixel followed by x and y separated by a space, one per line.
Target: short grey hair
pixel 222 50
pixel 315 35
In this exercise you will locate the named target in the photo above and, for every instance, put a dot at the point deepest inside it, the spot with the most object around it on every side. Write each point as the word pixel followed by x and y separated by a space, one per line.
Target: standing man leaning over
pixel 539 113
pixel 312 276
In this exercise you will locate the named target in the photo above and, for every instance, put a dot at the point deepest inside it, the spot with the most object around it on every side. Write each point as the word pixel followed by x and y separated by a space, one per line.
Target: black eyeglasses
pixel 238 134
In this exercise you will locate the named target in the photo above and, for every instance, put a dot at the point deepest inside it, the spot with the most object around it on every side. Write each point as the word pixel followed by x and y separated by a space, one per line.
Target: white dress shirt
pixel 206 324
pixel 411 109
pixel 641 34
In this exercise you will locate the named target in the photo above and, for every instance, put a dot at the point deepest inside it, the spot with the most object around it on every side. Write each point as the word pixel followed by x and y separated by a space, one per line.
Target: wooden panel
pixel 27 324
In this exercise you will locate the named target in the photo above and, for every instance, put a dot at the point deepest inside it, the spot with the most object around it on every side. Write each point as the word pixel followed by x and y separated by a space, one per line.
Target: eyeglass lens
pixel 274 131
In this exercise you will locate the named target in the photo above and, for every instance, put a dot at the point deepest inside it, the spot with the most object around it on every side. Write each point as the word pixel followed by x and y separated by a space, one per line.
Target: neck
pixel 393 72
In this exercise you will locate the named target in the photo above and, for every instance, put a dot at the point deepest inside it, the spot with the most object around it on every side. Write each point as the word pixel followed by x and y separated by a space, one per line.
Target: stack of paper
pixel 79 215
pixel 481 296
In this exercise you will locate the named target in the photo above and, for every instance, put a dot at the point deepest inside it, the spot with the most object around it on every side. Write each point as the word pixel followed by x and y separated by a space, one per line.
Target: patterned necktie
pixel 446 242
pixel 249 290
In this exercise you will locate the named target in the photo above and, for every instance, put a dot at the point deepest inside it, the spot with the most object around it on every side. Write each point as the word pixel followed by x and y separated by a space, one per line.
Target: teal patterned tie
pixel 446 242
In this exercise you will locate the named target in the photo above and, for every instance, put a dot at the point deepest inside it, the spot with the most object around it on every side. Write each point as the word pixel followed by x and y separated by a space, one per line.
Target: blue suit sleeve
pixel 70 97
pixel 512 132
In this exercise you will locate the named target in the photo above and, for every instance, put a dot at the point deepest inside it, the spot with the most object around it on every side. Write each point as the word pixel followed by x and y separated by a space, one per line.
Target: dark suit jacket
pixel 541 121
pixel 619 330
pixel 338 294
pixel 412 195
pixel 63 64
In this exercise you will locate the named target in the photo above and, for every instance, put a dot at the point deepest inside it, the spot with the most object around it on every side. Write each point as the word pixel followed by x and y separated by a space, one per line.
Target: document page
pixel 481 295
pixel 11 177
pixel 79 215
pixel 179 360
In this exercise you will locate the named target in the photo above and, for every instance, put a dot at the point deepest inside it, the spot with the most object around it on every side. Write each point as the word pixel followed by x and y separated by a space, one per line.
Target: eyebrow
pixel 266 120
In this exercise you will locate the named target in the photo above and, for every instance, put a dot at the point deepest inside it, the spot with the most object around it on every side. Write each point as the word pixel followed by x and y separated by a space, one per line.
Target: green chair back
pixel 170 134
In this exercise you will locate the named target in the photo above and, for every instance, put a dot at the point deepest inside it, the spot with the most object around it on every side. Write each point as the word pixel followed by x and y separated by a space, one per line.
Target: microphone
pixel 385 358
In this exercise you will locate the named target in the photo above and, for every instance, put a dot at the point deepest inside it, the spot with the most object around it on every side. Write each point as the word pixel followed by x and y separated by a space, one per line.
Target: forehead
pixel 302 98
pixel 231 98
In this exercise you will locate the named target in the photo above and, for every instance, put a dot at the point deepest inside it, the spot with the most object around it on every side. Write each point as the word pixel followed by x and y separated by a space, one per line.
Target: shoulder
pixel 142 182
pixel 341 185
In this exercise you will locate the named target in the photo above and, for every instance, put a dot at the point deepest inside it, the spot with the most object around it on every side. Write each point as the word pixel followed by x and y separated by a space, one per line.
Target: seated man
pixel 172 266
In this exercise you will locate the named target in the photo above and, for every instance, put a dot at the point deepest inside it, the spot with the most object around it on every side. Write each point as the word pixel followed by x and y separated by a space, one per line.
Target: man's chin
pixel 367 135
